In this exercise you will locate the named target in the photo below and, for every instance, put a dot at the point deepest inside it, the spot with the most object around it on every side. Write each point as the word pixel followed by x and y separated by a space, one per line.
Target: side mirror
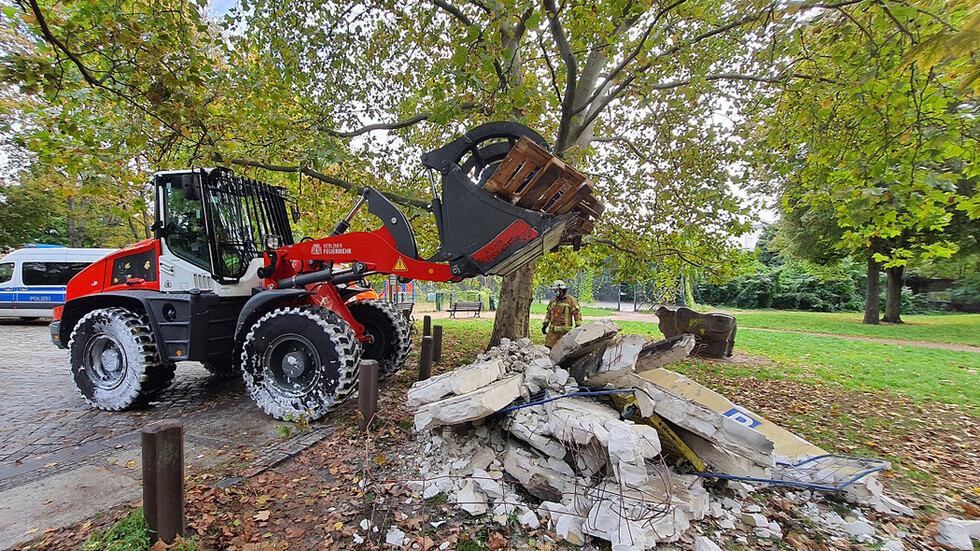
pixel 294 210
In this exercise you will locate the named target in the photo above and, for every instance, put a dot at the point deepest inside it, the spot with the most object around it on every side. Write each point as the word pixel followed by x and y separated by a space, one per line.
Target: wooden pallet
pixel 532 178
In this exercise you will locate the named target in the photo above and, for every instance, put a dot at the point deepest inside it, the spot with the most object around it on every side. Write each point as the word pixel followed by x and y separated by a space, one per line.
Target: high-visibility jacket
pixel 562 312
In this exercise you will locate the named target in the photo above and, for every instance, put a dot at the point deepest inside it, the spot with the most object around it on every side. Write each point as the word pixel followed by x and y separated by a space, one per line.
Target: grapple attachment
pixel 506 200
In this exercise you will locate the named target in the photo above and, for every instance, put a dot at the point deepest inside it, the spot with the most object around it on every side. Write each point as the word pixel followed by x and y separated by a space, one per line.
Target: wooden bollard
pixel 163 480
pixel 425 359
pixel 367 392
pixel 426 326
pixel 436 343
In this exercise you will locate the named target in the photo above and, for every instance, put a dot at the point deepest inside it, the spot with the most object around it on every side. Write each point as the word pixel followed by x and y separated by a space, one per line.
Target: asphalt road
pixel 62 461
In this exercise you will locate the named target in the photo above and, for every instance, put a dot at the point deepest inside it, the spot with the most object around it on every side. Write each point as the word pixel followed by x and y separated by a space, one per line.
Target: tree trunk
pixel 516 293
pixel 76 223
pixel 893 295
pixel 872 303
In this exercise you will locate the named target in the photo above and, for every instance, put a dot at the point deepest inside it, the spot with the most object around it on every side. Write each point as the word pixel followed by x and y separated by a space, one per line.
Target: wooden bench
pixel 405 309
pixel 474 307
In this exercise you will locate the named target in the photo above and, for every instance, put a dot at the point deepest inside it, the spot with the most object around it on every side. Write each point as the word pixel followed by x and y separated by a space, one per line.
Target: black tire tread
pixel 344 342
pixel 155 375
pixel 402 334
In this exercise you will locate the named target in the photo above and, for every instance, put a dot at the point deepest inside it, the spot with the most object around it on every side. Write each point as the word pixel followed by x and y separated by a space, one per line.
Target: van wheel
pixel 300 362
pixel 391 339
pixel 114 359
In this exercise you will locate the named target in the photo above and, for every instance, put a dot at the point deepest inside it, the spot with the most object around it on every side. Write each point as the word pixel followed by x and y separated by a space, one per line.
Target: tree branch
pixel 571 70
pixel 454 11
pixel 413 120
pixel 343 184
pixel 83 69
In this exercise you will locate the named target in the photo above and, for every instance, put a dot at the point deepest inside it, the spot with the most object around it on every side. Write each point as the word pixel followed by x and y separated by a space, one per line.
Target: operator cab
pixel 219 222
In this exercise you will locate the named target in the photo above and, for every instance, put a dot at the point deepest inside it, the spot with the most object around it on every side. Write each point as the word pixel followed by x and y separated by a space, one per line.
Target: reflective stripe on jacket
pixel 562 312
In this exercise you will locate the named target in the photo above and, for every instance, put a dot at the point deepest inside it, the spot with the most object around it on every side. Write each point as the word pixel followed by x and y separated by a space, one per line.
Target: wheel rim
pixel 104 361
pixel 293 363
pixel 375 348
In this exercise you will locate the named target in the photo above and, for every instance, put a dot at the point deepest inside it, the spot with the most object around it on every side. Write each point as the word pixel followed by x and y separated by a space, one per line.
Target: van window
pixel 6 271
pixel 50 273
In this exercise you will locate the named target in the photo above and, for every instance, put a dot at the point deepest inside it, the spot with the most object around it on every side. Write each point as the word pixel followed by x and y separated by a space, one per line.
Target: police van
pixel 33 279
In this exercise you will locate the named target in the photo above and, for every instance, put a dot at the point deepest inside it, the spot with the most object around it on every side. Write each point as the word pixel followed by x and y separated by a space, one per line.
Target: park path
pixel 652 318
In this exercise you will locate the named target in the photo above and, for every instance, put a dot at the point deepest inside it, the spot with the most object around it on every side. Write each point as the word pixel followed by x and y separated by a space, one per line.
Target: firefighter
pixel 563 314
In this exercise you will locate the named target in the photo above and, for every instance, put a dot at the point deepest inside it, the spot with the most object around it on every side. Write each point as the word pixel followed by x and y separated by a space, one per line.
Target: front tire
pixel 392 339
pixel 114 359
pixel 300 361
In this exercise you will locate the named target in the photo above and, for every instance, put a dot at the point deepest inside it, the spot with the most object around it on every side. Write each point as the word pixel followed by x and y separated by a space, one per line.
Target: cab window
pixel 185 232
pixel 6 271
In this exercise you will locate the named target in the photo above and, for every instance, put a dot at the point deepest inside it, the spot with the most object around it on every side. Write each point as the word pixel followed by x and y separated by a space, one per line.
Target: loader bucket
pixel 506 200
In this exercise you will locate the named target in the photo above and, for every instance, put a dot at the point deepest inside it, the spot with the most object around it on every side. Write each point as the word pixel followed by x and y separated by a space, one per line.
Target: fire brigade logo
pixel 399 265
pixel 316 249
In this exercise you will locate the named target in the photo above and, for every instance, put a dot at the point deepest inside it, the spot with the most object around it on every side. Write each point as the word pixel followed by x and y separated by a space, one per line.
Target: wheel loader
pixel 223 283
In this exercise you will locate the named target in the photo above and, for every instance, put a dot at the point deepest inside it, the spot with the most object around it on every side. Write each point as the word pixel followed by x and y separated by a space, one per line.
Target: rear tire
pixel 300 361
pixel 391 333
pixel 114 359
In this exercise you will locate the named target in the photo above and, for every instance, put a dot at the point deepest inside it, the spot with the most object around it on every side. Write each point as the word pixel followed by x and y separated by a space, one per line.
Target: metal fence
pixel 597 290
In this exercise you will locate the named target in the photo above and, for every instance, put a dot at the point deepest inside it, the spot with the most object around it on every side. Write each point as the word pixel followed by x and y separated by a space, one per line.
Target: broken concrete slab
pixel 471 499
pixel 659 511
pixel 579 420
pixel 542 477
pixel 720 460
pixel 703 543
pixel 474 405
pixel 458 381
pixel 531 426
pixel 870 491
pixel 582 340
pixel 658 354
pixel 696 409
pixel 957 533
pixel 618 358
pixel 565 520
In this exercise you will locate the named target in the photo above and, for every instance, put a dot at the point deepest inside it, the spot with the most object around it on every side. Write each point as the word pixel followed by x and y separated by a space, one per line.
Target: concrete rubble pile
pixel 590 471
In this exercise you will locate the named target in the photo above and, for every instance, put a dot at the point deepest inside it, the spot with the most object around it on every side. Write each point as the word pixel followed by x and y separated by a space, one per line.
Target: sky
pixel 221 7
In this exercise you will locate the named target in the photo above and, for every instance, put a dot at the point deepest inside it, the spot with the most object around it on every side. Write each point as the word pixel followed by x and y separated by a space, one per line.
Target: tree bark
pixel 893 294
pixel 872 302
pixel 513 314
pixel 76 222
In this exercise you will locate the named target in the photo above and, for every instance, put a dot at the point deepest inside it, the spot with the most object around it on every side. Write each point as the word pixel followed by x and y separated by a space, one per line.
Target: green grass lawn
pixel 951 328
pixel 945 376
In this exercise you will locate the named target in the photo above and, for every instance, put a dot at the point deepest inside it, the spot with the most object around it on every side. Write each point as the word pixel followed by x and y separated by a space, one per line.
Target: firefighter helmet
pixel 559 285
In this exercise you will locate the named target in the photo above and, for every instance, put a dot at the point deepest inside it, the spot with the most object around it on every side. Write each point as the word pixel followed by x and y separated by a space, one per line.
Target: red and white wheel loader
pixel 223 282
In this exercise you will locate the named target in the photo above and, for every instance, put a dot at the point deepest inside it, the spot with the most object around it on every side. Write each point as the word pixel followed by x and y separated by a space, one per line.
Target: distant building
pixel 748 241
